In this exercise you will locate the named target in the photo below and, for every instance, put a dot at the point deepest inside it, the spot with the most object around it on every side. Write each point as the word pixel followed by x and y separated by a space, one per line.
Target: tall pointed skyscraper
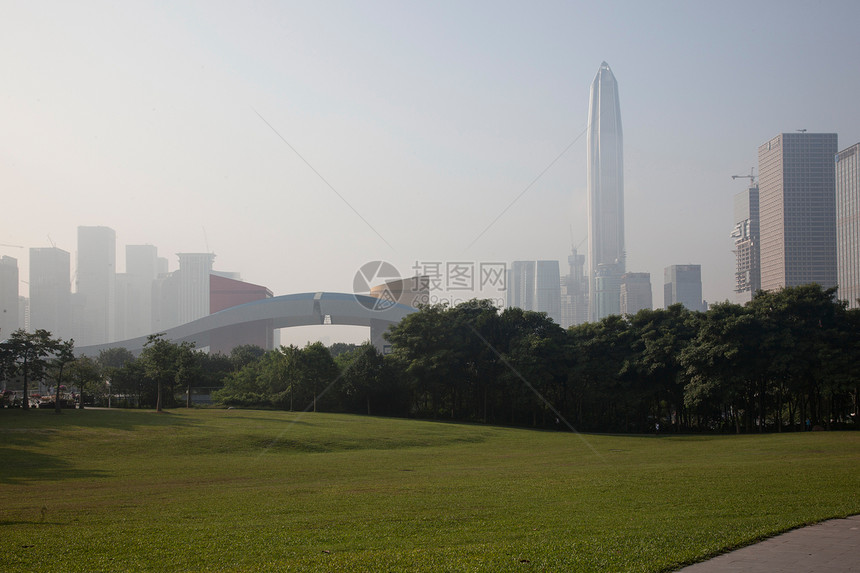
pixel 606 257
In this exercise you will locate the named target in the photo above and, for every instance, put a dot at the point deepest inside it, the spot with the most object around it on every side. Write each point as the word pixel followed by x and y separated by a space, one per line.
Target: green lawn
pixel 227 490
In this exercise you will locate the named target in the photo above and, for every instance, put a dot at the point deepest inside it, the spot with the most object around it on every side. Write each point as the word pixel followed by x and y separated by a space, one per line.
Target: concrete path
pixel 828 547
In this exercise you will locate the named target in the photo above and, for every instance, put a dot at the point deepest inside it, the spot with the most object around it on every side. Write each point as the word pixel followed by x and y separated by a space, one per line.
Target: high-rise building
pixel 797 196
pixel 746 235
pixel 636 292
pixel 606 293
pixel 574 291
pixel 134 303
pixel 683 284
pixel 50 291
pixel 9 321
pixel 194 271
pixel 24 313
pixel 165 302
pixel 520 285
pixel 124 306
pixel 95 285
pixel 536 286
pixel 848 224
pixel 548 289
pixel 606 256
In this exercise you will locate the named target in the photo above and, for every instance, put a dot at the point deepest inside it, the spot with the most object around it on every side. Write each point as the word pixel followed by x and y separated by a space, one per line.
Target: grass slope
pixel 236 490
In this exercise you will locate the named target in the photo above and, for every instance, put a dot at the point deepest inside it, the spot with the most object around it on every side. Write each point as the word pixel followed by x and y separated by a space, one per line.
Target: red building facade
pixel 225 293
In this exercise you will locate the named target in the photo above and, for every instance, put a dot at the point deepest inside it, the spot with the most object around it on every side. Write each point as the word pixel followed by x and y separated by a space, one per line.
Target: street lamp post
pixel 107 382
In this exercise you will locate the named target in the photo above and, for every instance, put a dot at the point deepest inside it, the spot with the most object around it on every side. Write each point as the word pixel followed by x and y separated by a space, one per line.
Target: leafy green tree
pixel 115 357
pixel 452 356
pixel 245 354
pixel 243 388
pixel 362 371
pixel 422 342
pixel 850 350
pixel 805 323
pixel 160 364
pixel 283 376
pixel 27 355
pixel 472 362
pixel 85 373
pixel 63 356
pixel 725 363
pixel 529 361
pixel 654 375
pixel 318 370
pixel 214 367
pixel 339 348
pixel 187 368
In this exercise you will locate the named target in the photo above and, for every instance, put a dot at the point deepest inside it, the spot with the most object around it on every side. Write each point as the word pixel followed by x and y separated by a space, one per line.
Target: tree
pixel 339 348
pixel 243 388
pixel 84 373
pixel 421 342
pixel 599 352
pixel 654 372
pixel 27 355
pixel 361 373
pixel 805 321
pixel 115 357
pixel 214 367
pixel 64 354
pixel 725 363
pixel 187 368
pixel 245 354
pixel 318 370
pixel 283 375
pixel 159 360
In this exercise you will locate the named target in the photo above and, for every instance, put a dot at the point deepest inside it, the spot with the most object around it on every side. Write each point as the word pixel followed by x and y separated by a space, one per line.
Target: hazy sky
pixel 428 118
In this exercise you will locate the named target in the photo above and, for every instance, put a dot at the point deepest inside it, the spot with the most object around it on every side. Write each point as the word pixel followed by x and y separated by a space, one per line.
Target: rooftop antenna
pixel 801 130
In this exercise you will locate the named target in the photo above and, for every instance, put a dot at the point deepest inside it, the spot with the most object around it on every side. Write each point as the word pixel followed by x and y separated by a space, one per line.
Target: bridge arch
pixel 303 309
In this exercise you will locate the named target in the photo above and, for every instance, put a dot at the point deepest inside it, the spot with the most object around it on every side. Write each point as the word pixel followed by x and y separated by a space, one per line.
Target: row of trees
pixel 36 356
pixel 345 379
pixel 163 370
pixel 786 359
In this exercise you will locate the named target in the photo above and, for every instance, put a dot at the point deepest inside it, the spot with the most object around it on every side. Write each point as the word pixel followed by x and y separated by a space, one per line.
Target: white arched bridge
pixel 304 309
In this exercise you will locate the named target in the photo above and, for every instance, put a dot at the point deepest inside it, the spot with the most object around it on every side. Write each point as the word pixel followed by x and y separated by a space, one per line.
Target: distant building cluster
pixel 798 224
pixel 598 285
pixel 106 306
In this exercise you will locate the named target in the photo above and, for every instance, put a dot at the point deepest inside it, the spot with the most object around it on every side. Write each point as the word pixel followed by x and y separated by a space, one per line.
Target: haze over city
pixel 298 142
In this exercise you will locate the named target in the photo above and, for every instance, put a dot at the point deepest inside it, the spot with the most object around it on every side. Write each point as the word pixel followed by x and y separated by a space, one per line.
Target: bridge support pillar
pixel 377 327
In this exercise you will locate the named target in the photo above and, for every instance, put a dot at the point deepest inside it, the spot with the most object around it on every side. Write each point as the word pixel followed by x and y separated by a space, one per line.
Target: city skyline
pixel 454 133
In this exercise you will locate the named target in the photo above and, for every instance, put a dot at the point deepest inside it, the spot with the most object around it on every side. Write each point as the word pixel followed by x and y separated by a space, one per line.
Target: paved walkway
pixel 828 547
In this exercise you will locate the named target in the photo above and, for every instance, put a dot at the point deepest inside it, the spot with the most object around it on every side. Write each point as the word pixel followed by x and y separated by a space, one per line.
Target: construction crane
pixel 571 240
pixel 11 246
pixel 751 176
